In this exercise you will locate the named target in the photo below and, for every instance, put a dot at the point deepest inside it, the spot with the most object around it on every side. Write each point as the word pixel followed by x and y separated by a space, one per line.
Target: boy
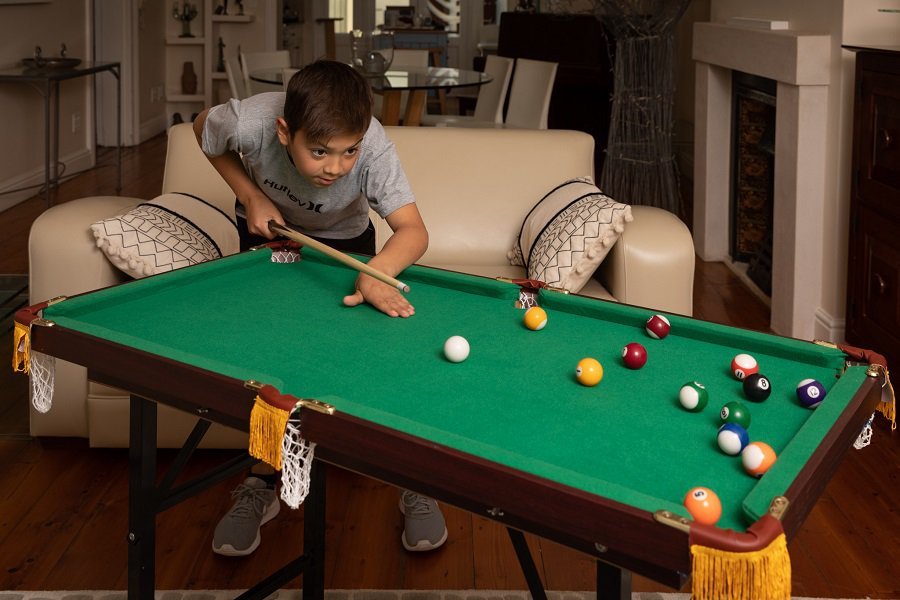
pixel 314 159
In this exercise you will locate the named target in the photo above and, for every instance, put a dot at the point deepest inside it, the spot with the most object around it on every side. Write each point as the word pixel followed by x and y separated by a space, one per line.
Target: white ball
pixel 456 348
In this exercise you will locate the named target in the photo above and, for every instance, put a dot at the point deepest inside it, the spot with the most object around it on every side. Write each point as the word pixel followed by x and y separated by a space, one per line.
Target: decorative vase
pixel 188 79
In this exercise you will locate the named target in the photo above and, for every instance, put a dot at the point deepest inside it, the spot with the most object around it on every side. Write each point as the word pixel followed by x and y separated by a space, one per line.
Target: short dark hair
pixel 327 98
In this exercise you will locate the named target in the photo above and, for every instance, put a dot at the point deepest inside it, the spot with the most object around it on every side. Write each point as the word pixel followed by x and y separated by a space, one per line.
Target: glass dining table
pixel 417 81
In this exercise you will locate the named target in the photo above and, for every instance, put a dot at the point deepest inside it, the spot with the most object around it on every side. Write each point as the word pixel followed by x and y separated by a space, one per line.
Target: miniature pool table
pixel 507 433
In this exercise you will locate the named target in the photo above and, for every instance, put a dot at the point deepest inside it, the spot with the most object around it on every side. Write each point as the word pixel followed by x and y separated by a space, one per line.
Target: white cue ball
pixel 456 348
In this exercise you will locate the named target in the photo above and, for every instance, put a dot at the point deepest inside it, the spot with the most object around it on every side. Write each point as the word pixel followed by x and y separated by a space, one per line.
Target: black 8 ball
pixel 757 387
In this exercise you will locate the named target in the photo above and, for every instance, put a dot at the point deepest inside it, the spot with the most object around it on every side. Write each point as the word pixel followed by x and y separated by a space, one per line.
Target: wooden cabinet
pixel 873 273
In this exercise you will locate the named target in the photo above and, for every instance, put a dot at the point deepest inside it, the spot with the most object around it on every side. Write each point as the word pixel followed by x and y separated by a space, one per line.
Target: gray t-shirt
pixel 339 211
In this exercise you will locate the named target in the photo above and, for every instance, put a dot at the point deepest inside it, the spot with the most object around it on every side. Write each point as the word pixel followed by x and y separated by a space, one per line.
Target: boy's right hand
pixel 260 210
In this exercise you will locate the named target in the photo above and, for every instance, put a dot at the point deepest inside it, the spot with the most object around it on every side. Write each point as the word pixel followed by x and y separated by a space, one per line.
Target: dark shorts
pixel 361 244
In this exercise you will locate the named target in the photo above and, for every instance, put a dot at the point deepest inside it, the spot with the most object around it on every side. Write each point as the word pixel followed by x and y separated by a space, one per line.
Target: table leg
pixel 314 534
pixel 390 108
pixel 415 106
pixel 311 564
pixel 535 586
pixel 436 57
pixel 142 499
pixel 613 583
pixel 146 500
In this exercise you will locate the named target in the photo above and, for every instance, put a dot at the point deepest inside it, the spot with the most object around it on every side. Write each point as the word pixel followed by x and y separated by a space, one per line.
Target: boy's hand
pixel 385 298
pixel 260 210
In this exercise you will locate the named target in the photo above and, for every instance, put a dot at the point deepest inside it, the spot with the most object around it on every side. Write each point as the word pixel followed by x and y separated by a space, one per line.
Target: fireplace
pixel 753 175
pixel 799 64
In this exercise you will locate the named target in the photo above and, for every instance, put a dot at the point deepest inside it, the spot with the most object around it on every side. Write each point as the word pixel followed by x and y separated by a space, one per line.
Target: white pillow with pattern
pixel 169 232
pixel 568 233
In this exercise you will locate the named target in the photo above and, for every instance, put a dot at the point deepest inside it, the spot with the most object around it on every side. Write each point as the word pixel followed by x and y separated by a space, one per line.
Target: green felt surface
pixel 515 400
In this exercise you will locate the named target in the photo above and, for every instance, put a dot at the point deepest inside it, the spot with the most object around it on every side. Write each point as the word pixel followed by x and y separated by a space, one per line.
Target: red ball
pixel 634 355
pixel 658 327
pixel 743 365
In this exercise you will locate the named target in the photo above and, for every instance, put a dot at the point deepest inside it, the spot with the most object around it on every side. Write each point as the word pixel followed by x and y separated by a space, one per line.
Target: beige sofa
pixel 474 187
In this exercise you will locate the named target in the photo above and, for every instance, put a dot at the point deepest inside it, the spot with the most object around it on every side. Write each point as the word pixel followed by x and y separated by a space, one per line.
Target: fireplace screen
pixel 753 175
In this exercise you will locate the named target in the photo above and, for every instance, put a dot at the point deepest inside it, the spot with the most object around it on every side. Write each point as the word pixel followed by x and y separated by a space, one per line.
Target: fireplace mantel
pixel 787 56
pixel 800 63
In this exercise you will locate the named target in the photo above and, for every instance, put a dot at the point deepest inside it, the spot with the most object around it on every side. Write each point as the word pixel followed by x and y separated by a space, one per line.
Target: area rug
pixel 339 595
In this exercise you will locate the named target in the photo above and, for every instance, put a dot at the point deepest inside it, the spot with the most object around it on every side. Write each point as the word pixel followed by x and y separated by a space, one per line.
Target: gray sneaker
pixel 237 533
pixel 424 527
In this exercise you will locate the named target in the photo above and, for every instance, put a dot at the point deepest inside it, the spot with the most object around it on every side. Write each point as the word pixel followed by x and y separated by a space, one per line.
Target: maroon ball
pixel 658 327
pixel 634 355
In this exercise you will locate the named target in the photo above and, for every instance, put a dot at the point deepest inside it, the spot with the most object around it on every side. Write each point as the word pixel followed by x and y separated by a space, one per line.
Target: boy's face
pixel 321 163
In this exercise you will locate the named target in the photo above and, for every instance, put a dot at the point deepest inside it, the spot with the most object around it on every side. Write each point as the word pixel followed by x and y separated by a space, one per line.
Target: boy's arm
pixel 405 246
pixel 257 206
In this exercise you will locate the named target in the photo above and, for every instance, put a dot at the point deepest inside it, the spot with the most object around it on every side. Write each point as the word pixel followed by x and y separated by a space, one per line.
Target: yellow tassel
pixel 267 425
pixel 21 358
pixel 761 575
pixel 888 404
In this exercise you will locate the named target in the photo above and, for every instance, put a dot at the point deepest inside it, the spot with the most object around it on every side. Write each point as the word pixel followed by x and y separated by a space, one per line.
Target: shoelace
pixel 250 501
pixel 416 505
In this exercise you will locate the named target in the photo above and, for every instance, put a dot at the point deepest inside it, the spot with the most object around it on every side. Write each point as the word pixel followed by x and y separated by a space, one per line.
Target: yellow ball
pixel 535 318
pixel 589 372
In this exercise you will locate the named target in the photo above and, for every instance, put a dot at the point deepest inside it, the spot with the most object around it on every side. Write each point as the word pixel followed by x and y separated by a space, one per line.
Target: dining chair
pixel 410 57
pixel 235 78
pixel 488 35
pixel 251 61
pixel 490 100
pixel 530 93
pixel 403 58
pixel 286 75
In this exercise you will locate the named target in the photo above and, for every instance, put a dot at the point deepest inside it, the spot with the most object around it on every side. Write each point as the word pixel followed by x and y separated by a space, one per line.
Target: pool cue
pixel 337 255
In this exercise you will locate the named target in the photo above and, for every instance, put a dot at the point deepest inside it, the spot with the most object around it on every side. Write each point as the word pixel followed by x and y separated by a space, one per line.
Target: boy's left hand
pixel 385 298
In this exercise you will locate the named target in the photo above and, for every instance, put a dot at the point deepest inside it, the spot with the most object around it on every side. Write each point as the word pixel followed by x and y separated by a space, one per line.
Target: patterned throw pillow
pixel 568 233
pixel 169 232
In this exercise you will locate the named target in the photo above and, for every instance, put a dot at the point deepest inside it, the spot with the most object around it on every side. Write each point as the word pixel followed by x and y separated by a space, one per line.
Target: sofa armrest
pixel 63 260
pixel 652 263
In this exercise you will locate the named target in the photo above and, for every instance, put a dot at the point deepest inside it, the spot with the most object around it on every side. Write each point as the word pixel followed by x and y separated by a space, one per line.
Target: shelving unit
pixel 180 50
pixel 256 30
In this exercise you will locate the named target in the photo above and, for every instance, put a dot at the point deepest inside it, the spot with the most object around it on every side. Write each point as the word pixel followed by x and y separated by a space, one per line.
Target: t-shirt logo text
pixel 301 203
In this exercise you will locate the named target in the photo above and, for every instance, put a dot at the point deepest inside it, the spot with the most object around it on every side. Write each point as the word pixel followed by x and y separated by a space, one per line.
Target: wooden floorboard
pixel 63 505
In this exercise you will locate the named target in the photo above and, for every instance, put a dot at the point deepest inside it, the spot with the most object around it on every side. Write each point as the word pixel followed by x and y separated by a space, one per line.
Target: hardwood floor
pixel 63 505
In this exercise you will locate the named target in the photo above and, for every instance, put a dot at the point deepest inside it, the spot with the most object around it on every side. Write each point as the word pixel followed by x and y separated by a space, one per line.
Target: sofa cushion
pixel 169 232
pixel 568 233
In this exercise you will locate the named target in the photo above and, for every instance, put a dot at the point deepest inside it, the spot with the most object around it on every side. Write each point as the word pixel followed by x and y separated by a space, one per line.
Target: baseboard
pixel 33 180
pixel 152 127
pixel 11 200
pixel 829 328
